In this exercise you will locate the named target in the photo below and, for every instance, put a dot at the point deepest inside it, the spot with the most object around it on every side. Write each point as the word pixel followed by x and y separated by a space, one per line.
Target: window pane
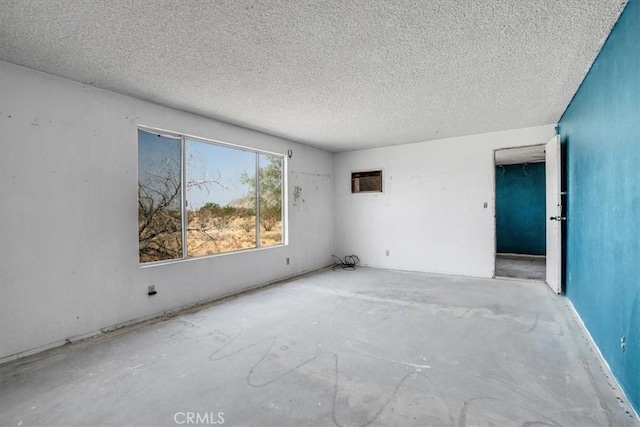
pixel 270 200
pixel 221 195
pixel 159 197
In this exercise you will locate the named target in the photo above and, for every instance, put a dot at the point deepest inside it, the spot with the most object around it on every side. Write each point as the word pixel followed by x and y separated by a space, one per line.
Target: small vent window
pixel 366 182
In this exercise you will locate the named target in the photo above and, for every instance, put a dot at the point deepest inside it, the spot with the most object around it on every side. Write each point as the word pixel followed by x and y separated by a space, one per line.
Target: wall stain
pixel 297 191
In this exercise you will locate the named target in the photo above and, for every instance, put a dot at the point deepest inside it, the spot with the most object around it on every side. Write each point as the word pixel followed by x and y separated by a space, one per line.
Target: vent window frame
pixel 357 175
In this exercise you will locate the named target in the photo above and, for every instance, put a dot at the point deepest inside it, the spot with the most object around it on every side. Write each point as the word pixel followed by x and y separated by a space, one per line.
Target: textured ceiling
pixel 336 74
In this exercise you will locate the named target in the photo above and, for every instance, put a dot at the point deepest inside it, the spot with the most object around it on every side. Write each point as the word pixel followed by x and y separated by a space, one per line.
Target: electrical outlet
pixel 288 261
pixel 623 343
pixel 151 290
pixel 387 252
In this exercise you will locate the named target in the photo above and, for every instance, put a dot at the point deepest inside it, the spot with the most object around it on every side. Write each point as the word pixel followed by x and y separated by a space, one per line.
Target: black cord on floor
pixel 349 262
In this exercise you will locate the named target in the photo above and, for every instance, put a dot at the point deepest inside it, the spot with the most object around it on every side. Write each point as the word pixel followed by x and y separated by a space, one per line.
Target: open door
pixel 554 214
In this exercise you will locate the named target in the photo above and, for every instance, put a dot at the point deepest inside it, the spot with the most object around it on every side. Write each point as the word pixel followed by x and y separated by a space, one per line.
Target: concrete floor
pixel 345 348
pixel 521 266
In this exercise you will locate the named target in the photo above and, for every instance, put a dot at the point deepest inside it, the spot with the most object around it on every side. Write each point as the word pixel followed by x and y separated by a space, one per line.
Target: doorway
pixel 513 264
pixel 520 206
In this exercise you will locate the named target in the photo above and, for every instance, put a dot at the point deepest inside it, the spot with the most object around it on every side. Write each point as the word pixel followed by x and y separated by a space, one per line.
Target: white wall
pixel 68 213
pixel 431 216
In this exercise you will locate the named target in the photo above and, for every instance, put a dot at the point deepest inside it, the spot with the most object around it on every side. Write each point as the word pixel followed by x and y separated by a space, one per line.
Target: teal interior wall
pixel 520 209
pixel 601 130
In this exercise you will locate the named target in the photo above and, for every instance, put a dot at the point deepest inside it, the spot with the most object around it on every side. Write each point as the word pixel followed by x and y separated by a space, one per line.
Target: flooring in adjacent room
pixel 521 266
pixel 345 348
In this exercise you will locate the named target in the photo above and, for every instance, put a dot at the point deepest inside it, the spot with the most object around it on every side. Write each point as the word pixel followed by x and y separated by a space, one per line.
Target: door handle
pixel 558 218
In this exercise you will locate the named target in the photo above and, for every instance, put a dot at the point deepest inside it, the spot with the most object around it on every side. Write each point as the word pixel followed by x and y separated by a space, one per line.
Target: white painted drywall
pixel 431 216
pixel 68 214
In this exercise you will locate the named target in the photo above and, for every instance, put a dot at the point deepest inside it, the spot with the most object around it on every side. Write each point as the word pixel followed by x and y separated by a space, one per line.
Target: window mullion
pixel 185 202
pixel 257 200
pixel 283 199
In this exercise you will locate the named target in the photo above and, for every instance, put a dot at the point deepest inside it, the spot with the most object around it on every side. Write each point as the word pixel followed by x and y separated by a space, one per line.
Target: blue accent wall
pixel 520 209
pixel 601 131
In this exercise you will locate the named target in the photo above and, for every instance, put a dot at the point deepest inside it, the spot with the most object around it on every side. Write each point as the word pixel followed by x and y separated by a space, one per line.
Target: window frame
pixel 185 201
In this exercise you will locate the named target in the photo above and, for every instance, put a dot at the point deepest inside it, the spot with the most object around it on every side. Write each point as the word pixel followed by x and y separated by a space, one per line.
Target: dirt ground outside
pixel 237 234
pixel 209 235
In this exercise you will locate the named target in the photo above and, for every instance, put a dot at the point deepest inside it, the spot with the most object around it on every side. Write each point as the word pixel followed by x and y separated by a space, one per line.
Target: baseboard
pixel 602 359
pixel 408 270
pixel 511 255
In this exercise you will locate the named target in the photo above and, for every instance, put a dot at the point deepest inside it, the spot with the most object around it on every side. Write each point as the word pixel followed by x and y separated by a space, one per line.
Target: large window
pixel 199 198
